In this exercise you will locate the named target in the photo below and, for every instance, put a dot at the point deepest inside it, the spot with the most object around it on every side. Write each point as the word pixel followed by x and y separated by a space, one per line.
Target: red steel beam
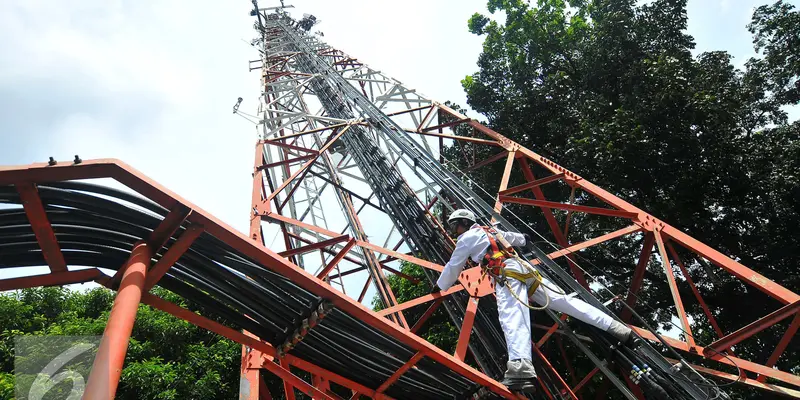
pixel 466 328
pixel 392 114
pixel 402 370
pixel 455 137
pixel 175 252
pixel 600 239
pixel 298 134
pixel 498 205
pixel 159 236
pixel 420 300
pixel 673 288
pixel 304 168
pixel 288 388
pixel 400 274
pixel 107 366
pixel 567 363
pixel 250 384
pixel 755 327
pixel 426 120
pixel 241 338
pixel 350 192
pixel 487 161
pixel 725 359
pixel 349 272
pixel 336 259
pixel 411 259
pixel 52 279
pixel 571 207
pixel 292 221
pixel 780 390
pixel 323 385
pixel 531 185
pixel 285 162
pixel 277 142
pixel 747 275
pixel 706 310
pixel 550 331
pixel 546 390
pixel 432 309
pixel 364 290
pixel 638 275
pixel 257 197
pixel 34 210
pixel 559 235
pixel 585 379
pixel 787 337
pixel 326 250
pixel 314 246
pixel 567 390
pixel 446 125
pixel 258 192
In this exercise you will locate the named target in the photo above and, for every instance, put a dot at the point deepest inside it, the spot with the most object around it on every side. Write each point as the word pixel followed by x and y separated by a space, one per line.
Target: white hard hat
pixel 461 214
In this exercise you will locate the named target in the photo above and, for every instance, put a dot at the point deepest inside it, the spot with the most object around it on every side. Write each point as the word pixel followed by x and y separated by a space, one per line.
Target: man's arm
pixel 514 239
pixel 457 260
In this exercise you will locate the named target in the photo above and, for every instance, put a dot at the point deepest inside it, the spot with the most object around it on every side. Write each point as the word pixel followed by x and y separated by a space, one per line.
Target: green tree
pixel 438 329
pixel 167 358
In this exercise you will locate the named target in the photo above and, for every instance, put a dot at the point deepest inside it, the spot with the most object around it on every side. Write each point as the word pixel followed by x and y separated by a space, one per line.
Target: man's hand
pixel 528 240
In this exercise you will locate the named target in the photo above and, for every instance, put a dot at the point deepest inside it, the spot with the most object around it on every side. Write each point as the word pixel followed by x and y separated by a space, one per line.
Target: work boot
pixel 520 376
pixel 620 332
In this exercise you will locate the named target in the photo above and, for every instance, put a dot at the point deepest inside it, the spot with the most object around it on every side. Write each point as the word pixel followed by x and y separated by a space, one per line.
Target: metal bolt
pixel 52 162
pixel 77 160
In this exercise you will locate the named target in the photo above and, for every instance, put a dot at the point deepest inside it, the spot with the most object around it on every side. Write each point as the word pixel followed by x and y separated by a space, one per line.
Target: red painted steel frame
pixel 91 169
pixel 51 279
pixel 41 227
pixel 655 233
pixel 107 367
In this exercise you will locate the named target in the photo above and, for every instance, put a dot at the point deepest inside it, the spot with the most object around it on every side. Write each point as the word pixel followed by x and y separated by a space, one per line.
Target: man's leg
pixel 515 319
pixel 579 309
pixel 572 306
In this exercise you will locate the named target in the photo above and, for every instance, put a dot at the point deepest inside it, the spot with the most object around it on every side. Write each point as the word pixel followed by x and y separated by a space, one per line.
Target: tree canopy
pixel 167 358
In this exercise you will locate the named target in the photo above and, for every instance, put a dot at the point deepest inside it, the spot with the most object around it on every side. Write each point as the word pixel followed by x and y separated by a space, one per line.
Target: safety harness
pixel 494 262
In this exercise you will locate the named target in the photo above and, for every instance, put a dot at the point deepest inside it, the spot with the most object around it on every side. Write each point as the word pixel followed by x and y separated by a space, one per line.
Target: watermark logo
pixel 53 367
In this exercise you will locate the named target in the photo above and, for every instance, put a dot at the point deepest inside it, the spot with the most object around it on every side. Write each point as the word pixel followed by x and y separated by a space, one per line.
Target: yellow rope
pixel 523 277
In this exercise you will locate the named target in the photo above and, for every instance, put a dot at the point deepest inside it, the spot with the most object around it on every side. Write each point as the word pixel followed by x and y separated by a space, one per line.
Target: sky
pixel 153 82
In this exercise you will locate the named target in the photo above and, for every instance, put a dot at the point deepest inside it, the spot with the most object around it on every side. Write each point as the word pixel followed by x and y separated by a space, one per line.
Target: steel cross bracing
pixel 390 155
pixel 286 96
pixel 385 179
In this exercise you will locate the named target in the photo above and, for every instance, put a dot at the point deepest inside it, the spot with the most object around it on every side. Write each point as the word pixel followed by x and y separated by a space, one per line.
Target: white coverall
pixel 515 317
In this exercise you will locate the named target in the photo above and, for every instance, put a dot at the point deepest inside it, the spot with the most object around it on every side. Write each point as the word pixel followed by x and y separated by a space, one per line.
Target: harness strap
pixel 524 277
pixel 495 263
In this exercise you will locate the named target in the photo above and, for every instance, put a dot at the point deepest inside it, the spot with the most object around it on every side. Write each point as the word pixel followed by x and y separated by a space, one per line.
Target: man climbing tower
pixel 515 282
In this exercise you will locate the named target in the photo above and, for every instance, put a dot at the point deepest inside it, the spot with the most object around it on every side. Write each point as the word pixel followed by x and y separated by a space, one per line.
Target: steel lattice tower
pixel 330 122
pixel 349 172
